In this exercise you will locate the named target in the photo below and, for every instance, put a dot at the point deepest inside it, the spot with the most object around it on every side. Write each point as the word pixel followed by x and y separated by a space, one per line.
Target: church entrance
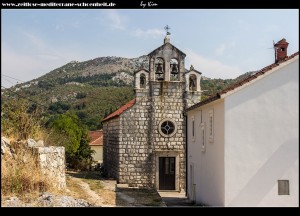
pixel 166 173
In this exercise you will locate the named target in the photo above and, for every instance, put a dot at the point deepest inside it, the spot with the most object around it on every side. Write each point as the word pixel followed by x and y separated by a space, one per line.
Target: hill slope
pixel 92 89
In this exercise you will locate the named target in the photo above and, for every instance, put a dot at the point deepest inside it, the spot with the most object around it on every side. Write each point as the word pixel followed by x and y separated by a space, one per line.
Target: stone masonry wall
pixel 192 98
pixel 168 100
pixel 135 148
pixel 140 141
pixel 111 131
pixel 52 164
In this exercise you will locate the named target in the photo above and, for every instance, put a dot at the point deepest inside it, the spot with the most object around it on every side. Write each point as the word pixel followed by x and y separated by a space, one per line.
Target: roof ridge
pixel 257 74
pixel 243 81
pixel 120 110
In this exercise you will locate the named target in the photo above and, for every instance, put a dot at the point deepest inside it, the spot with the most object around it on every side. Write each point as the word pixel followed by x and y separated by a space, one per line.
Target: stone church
pixel 144 141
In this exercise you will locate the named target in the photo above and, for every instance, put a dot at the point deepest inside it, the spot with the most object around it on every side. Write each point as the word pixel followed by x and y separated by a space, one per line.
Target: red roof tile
pixel 120 110
pixel 242 82
pixel 96 138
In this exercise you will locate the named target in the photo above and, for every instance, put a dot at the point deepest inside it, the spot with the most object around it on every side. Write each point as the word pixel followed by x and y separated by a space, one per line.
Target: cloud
pixel 43 50
pixel 32 63
pixel 62 26
pixel 114 20
pixel 153 33
pixel 221 49
pixel 18 65
pixel 36 41
pixel 212 68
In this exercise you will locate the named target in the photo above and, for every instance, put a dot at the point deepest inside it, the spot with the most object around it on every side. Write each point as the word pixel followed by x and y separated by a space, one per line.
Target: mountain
pixel 92 89
pixel 102 65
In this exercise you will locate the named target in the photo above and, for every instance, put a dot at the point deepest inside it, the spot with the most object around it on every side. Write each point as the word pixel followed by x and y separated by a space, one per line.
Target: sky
pixel 219 43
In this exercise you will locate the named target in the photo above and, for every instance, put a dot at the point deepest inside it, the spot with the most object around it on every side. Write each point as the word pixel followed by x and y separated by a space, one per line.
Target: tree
pixel 20 119
pixel 68 131
pixel 59 107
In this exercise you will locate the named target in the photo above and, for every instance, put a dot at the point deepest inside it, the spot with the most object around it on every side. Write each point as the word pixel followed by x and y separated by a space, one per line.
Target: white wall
pixel 262 140
pixel 98 155
pixel 209 164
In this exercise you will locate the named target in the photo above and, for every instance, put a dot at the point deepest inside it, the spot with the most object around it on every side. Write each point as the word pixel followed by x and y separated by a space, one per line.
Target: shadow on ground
pixel 138 197
pixel 177 201
pixel 86 175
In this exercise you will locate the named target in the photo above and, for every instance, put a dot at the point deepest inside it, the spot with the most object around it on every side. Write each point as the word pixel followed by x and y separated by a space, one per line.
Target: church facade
pixel 144 143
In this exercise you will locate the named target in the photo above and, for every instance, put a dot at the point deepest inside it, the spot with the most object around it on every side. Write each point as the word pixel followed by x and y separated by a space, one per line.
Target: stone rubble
pixel 47 200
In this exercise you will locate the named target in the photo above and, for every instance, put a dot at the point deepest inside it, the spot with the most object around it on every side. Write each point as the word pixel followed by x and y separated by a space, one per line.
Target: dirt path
pixel 99 192
pixel 103 192
pixel 94 198
pixel 85 189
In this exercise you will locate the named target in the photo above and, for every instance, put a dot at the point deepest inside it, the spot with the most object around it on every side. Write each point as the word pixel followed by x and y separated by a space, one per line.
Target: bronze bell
pixel 174 69
pixel 159 69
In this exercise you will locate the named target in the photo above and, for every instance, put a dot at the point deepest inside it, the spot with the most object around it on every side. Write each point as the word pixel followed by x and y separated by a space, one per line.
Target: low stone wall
pixel 51 159
pixel 52 164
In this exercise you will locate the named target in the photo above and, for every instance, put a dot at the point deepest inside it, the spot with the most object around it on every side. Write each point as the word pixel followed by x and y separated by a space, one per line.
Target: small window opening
pixel 142 81
pixel 283 187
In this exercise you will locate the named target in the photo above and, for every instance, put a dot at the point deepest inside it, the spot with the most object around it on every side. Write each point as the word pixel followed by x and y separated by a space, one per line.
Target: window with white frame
pixel 167 127
pixel 202 127
pixel 211 125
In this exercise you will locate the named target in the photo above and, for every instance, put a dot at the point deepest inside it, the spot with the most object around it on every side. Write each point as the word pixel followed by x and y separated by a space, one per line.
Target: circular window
pixel 167 128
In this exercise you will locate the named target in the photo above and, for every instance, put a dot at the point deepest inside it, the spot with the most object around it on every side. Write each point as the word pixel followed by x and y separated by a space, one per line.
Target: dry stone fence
pixel 52 163
pixel 51 159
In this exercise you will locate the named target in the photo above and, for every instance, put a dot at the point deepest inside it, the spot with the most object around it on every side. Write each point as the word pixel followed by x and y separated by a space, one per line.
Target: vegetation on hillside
pixel 93 89
pixel 212 86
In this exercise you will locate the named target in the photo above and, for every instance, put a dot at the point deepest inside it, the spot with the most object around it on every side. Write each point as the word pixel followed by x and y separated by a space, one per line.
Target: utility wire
pixel 8 80
pixel 12 78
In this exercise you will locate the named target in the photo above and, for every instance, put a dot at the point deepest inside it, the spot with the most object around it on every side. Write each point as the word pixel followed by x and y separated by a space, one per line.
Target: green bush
pixel 19 119
pixel 68 131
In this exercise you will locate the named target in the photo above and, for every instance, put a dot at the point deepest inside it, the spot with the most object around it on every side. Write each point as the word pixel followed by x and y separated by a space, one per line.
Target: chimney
pixel 280 50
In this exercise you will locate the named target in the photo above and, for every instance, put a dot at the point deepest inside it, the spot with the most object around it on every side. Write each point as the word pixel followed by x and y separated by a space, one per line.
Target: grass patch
pixel 21 176
pixel 92 178
pixel 95 185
